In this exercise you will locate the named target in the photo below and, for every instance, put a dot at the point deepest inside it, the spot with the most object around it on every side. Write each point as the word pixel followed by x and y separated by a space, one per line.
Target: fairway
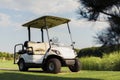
pixel 8 71
pixel 39 75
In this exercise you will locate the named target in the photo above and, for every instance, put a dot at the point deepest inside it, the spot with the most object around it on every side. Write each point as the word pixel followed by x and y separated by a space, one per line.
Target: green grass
pixel 10 72
pixel 38 75
pixel 109 62
pixel 7 64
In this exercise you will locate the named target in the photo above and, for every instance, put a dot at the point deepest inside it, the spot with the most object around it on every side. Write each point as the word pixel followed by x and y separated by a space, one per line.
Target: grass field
pixel 8 71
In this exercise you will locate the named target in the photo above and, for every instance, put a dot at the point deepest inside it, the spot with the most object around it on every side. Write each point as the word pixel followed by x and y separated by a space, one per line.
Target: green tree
pixel 92 9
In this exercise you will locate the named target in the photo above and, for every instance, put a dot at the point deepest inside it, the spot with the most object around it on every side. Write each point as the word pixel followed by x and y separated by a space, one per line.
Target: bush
pixel 109 62
pixel 90 63
pixel 6 55
pixel 93 51
pixel 97 51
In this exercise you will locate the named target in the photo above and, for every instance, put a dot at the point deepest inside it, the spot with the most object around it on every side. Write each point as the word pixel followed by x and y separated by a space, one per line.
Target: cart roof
pixel 49 21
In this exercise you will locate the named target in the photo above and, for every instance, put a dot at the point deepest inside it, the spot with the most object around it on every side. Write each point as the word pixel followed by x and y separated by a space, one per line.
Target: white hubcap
pixel 51 66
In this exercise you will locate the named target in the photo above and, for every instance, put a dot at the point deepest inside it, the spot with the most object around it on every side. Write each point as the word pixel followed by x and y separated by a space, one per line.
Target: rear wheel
pixel 22 66
pixel 75 67
pixel 53 65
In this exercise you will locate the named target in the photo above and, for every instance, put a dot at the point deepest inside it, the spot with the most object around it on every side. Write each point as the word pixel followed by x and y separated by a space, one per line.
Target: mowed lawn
pixel 9 71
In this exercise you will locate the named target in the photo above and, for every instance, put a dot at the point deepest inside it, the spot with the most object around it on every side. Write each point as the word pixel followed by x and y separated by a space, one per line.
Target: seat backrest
pixel 38 48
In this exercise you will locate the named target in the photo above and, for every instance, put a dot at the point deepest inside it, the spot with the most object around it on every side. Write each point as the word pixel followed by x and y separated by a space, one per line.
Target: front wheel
pixel 75 67
pixel 53 65
pixel 22 66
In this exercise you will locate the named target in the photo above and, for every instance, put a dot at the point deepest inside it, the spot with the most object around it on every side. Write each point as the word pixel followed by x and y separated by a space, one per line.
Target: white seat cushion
pixel 38 48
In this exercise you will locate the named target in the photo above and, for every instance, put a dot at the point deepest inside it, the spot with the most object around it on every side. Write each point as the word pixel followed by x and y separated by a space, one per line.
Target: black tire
pixel 53 65
pixel 75 67
pixel 22 66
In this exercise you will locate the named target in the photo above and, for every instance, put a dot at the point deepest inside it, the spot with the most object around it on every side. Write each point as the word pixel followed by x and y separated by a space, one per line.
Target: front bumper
pixel 70 62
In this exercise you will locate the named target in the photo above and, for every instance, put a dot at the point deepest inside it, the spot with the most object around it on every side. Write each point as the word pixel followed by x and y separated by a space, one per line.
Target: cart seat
pixel 38 48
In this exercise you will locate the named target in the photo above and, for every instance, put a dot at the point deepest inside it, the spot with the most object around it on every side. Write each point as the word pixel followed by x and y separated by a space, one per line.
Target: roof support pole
pixel 47 31
pixel 29 34
pixel 70 35
pixel 42 34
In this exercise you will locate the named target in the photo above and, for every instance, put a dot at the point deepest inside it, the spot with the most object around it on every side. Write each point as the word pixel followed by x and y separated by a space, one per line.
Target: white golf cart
pixel 49 56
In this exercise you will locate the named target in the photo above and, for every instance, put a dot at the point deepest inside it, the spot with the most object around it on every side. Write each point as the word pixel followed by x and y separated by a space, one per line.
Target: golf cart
pixel 50 56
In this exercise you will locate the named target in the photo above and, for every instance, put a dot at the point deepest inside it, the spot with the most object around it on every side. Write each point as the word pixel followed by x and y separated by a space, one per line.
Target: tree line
pixel 6 55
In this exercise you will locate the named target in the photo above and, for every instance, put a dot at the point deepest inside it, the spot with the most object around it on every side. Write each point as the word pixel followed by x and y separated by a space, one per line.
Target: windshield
pixel 59 36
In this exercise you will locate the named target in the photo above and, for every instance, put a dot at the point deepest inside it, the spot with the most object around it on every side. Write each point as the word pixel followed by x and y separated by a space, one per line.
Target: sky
pixel 14 13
